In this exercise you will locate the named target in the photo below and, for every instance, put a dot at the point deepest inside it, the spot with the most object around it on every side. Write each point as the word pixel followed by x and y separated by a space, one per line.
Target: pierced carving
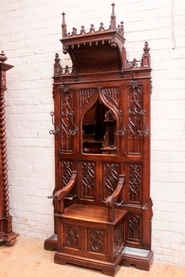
pixel 85 96
pixel 134 182
pixel 111 95
pixel 133 64
pixel 134 227
pixel 111 176
pixel 66 172
pixel 144 62
pixel 74 33
pixel 68 128
pixel 59 71
pixel 137 125
pixel 88 179
pixel 134 118
pixel 72 236
pixel 96 240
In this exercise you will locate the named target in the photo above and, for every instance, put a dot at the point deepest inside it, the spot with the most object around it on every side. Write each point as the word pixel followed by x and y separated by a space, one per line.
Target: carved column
pixel 7 236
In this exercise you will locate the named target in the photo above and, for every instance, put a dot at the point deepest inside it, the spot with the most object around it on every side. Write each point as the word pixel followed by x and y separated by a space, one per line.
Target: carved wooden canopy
pixel 96 51
pixel 101 51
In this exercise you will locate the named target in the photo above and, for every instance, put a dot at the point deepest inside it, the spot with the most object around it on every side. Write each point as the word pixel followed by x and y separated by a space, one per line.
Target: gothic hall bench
pixel 90 235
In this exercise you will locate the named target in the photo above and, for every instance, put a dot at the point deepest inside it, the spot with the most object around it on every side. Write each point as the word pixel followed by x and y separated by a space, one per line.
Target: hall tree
pixel 101 128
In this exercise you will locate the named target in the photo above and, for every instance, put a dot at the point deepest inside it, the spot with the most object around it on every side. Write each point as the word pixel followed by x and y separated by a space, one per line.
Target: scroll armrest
pixel 60 194
pixel 110 200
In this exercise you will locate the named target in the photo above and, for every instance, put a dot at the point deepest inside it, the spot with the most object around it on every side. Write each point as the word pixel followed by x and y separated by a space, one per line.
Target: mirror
pixel 99 127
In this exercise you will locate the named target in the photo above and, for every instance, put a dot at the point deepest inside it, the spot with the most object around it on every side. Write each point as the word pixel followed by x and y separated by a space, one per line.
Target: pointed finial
pixel 145 61
pixel 146 48
pixel 3 58
pixel 64 26
pixel 113 18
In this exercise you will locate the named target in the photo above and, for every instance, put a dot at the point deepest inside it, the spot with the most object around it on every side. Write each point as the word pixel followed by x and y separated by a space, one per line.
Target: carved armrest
pixel 111 199
pixel 60 194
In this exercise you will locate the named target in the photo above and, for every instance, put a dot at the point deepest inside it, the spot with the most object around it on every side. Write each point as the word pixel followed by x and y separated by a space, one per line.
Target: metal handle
pixel 145 131
pixel 56 130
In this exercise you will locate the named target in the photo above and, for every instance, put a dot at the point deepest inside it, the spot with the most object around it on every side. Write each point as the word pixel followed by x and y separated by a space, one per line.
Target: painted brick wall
pixel 29 34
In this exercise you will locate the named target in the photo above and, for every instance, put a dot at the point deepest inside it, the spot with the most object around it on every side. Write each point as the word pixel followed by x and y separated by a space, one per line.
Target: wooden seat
pixel 90 235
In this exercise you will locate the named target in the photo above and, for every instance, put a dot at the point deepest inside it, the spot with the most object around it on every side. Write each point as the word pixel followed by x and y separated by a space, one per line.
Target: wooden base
pixel 51 243
pixel 86 238
pixel 140 258
pixel 106 267
pixel 8 239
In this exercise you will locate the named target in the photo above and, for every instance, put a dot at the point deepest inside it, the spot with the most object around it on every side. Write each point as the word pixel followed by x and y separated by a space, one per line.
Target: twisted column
pixel 3 150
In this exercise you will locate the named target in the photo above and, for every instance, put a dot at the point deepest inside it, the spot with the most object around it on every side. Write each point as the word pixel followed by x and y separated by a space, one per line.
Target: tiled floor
pixel 27 258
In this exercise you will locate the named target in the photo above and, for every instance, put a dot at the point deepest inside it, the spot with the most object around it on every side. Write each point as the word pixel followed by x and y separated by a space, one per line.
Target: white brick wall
pixel 29 34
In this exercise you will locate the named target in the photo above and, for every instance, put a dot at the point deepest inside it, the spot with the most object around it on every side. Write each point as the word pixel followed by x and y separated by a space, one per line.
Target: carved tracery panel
pixel 72 236
pixel 85 96
pixel 96 240
pixel 135 182
pixel 88 180
pixel 118 237
pixel 68 128
pixel 134 119
pixel 111 176
pixel 134 227
pixel 66 172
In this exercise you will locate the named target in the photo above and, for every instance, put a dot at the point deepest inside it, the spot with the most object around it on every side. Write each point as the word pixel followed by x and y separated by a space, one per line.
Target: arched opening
pixel 98 130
